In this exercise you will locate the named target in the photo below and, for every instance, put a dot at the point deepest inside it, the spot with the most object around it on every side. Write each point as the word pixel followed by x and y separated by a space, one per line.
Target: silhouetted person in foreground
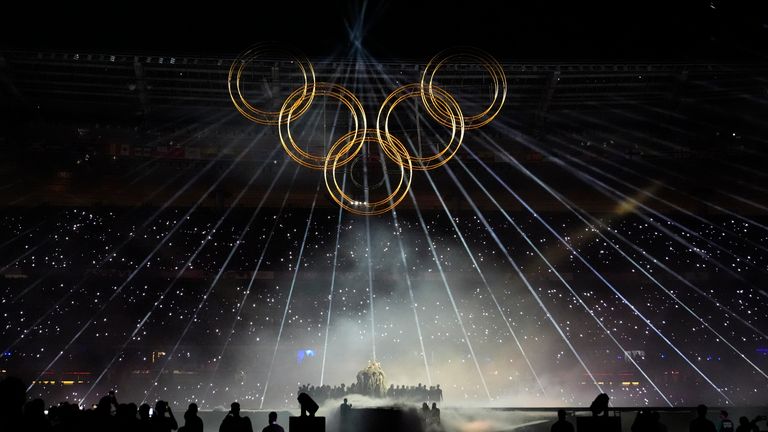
pixel 34 416
pixel 192 422
pixel 145 422
pixel 749 426
pixel 561 425
pixel 658 426
pixel 600 405
pixel 13 394
pixel 159 421
pixel 234 423
pixel 726 424
pixel 273 426
pixel 434 415
pixel 700 423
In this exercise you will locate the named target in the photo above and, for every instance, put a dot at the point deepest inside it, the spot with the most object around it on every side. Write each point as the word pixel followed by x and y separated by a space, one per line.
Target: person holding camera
pixel 162 422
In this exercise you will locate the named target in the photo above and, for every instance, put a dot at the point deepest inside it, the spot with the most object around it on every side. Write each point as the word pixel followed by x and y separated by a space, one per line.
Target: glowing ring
pixel 270 118
pixel 488 62
pixel 375 207
pixel 442 99
pixel 294 102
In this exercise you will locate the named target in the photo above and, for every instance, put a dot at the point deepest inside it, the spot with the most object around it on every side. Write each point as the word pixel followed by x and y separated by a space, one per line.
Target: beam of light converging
pixel 471 257
pixel 594 221
pixel 448 291
pixel 256 269
pixel 290 295
pixel 436 258
pixel 633 207
pixel 220 119
pixel 675 147
pixel 661 183
pixel 333 284
pixel 664 184
pixel 596 273
pixel 632 261
pixel 150 255
pixel 409 284
pixel 553 269
pixel 649 194
pixel 112 253
pixel 608 284
pixel 333 269
pixel 522 277
pixel 207 236
pixel 109 256
pixel 216 278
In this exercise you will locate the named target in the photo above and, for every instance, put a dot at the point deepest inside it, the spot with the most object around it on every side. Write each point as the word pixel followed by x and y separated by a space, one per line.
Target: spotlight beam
pixel 333 284
pixel 106 259
pixel 572 208
pixel 472 258
pixel 181 271
pixel 223 267
pixel 436 258
pixel 667 186
pixel 666 202
pixel 620 197
pixel 610 286
pixel 148 257
pixel 290 295
pixel 256 269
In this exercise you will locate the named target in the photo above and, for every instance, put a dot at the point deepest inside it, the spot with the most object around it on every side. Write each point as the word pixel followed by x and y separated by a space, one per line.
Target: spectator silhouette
pixel 561 425
pixel 726 424
pixel 600 405
pixel 101 418
pixel 192 422
pixel 700 423
pixel 126 418
pixel 12 397
pixel 748 426
pixel 234 423
pixel 658 426
pixel 273 426
pixel 159 421
pixel 434 415
pixel 145 422
pixel 34 416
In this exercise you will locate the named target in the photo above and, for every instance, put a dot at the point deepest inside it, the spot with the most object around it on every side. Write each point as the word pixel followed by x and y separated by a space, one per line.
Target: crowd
pixel 400 393
pixel 19 415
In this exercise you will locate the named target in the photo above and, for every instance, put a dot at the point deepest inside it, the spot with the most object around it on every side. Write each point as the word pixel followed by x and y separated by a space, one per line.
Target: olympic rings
pixel 295 100
pixel 269 118
pixel 368 208
pixel 438 103
pixel 489 63
pixel 441 99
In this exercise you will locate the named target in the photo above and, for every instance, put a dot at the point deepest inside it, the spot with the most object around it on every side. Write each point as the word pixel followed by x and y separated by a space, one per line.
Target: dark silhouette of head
pixel 272 417
pixel 434 405
pixel 345 400
pixel 724 414
pixel 105 405
pixel 234 409
pixel 160 408
pixel 561 414
pixel 701 410
pixel 192 408
pixel 743 421
pixel 144 411
pixel 424 406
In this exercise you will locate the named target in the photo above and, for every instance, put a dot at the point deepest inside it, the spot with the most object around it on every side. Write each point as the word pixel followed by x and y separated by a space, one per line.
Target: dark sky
pixel 620 30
